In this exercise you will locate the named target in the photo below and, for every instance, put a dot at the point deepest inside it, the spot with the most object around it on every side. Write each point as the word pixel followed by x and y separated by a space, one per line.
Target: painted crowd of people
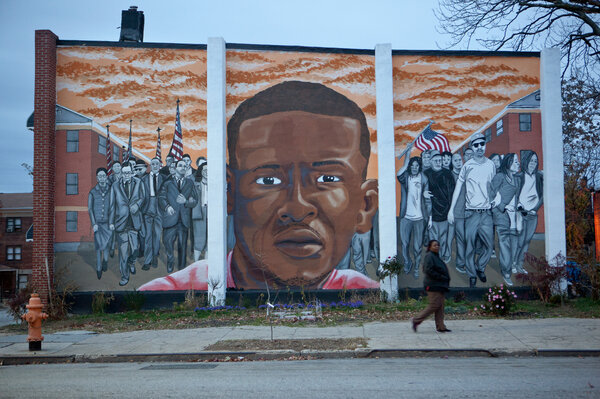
pixel 448 198
pixel 135 209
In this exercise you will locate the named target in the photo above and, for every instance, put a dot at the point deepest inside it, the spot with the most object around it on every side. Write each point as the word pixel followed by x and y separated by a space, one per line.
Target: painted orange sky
pixel 113 85
pixel 459 93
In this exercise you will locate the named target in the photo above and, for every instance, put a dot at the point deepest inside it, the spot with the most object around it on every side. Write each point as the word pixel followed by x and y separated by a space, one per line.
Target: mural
pixel 454 189
pixel 301 168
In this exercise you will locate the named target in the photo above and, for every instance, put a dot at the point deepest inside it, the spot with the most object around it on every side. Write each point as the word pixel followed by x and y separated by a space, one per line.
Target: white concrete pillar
pixel 552 146
pixel 217 183
pixel 384 84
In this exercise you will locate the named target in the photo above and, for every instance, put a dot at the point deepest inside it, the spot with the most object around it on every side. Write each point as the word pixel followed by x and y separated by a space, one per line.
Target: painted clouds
pixel 459 93
pixel 113 85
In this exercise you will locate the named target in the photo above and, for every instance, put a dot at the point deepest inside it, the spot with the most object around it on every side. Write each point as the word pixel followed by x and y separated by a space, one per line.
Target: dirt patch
pixel 293 344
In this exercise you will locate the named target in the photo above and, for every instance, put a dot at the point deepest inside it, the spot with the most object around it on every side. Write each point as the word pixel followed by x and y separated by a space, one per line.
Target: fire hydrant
pixel 34 317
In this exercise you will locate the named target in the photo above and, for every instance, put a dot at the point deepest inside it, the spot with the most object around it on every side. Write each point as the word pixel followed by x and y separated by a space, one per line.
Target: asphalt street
pixel 343 378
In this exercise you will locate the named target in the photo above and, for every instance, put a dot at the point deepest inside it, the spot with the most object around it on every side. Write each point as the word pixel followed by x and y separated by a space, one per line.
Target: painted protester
pixel 297 188
pixel 476 174
pixel 530 199
pixel 126 220
pixel 507 220
pixel 456 230
pixel 200 211
pixel 441 187
pixel 152 183
pixel 176 199
pixel 415 208
pixel 99 207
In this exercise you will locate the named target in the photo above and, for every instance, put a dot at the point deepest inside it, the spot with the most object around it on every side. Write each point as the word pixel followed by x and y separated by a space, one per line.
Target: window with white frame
pixel 499 127
pixel 13 252
pixel 13 224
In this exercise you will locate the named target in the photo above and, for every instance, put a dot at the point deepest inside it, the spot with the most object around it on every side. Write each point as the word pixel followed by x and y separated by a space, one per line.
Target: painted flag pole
pixel 412 143
pixel 158 151
pixel 108 152
pixel 130 146
pixel 176 150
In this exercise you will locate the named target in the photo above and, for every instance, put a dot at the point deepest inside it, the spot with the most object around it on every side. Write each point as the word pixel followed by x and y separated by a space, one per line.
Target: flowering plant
pixel 498 300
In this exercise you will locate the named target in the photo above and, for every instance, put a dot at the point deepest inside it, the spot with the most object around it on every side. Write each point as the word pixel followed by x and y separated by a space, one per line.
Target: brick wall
pixel 44 159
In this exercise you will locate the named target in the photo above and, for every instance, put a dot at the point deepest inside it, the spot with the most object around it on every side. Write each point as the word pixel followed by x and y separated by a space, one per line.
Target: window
pixel 488 134
pixel 23 280
pixel 72 140
pixel 13 253
pixel 13 224
pixel 71 221
pixel 499 128
pixel 72 184
pixel 115 153
pixel 102 145
pixel 525 122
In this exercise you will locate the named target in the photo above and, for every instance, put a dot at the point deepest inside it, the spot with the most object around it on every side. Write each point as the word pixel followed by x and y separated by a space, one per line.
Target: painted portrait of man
pixel 297 190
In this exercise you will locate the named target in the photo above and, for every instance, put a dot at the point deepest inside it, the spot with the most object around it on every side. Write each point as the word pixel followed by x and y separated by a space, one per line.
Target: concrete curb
pixel 364 353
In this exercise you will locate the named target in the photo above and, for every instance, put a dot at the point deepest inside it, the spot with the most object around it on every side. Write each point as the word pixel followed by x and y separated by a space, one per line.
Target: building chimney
pixel 132 25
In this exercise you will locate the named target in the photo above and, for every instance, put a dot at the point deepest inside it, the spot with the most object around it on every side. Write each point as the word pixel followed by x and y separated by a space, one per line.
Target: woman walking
pixel 436 284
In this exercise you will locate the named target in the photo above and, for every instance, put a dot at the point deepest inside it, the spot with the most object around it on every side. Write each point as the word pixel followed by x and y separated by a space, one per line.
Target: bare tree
pixel 574 26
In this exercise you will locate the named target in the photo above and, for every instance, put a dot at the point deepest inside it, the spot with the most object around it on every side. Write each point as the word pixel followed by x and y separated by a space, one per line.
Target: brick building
pixel 81 146
pixel 16 236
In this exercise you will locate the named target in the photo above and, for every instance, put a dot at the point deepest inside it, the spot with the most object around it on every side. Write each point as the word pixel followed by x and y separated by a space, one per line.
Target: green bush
pixel 101 301
pixel 134 300
pixel 498 300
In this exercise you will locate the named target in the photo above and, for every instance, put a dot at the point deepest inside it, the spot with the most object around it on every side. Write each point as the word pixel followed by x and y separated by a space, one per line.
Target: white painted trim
pixel 217 179
pixel 552 147
pixel 384 86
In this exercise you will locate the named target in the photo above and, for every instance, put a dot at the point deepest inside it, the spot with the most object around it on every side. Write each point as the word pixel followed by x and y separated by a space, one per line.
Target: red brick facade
pixel 44 159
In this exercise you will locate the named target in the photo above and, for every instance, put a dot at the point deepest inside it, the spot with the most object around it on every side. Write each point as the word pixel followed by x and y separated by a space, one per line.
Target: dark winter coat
pixel 436 273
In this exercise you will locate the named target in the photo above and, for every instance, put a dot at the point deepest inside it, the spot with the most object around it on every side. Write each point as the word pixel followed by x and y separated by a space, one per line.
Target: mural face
pixel 296 206
pixel 471 192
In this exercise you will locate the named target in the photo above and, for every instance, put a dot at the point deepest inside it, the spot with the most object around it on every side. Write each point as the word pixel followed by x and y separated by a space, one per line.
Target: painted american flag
pixel 177 147
pixel 429 139
pixel 108 153
pixel 158 155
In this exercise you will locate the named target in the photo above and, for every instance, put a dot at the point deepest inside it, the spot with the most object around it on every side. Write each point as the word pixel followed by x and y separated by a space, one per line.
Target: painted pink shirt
pixel 195 276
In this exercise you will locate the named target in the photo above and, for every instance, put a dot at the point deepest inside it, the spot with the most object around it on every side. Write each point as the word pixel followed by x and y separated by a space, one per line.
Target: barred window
pixel 72 140
pixel 72 184
pixel 71 221
pixel 499 128
pixel 102 145
pixel 525 122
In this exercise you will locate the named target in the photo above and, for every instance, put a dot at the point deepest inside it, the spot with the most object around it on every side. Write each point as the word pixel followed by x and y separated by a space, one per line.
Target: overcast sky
pixel 406 24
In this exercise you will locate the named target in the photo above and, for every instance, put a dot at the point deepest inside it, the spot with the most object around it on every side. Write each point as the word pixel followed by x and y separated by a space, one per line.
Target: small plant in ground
pixel 498 300
pixel 460 296
pixel 101 301
pixel 391 267
pixel 134 300
pixel 17 303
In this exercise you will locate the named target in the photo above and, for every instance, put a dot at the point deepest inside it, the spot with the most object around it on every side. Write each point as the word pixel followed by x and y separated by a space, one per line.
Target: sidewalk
pixel 490 337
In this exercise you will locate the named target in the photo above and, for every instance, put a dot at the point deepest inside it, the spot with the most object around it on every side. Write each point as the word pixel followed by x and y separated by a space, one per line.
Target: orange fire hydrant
pixel 34 317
